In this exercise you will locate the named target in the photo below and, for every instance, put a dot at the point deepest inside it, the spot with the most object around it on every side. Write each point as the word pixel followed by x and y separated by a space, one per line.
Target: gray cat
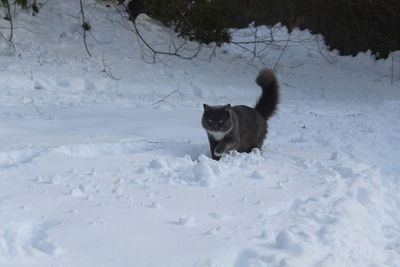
pixel 241 128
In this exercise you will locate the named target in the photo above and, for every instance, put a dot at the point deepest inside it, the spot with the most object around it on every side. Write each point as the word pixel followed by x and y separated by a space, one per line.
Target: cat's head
pixel 217 118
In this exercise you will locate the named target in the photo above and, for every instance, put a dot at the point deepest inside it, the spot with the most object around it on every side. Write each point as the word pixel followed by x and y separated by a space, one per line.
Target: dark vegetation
pixel 350 26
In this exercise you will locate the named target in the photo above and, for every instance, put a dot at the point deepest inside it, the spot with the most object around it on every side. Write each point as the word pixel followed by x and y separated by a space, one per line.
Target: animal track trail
pixel 92 150
pixel 10 159
pixel 25 240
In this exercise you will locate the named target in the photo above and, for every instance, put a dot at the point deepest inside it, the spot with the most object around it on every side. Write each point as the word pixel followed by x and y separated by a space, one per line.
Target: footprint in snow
pixel 185 220
pixel 28 240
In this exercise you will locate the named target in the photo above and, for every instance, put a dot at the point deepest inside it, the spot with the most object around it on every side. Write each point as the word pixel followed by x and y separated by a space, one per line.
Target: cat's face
pixel 217 118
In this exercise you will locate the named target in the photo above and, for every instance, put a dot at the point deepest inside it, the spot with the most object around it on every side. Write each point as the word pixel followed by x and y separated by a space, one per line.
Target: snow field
pixel 292 204
pixel 115 171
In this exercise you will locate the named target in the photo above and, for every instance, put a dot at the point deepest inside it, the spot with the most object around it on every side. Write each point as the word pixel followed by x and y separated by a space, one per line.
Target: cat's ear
pixel 206 107
pixel 227 108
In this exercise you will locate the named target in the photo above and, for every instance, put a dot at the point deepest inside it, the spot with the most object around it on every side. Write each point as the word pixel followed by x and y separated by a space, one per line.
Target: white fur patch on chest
pixel 217 135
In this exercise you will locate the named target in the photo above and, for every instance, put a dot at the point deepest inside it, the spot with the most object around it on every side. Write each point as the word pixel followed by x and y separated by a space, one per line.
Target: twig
pixel 165 97
pixel 8 42
pixel 99 42
pixel 116 22
pixel 255 43
pixel 283 51
pixel 212 54
pixel 85 27
pixel 320 51
pixel 42 5
pixel 20 27
pixel 241 46
pixel 107 70
pixel 11 21
pixel 36 107
pixel 392 70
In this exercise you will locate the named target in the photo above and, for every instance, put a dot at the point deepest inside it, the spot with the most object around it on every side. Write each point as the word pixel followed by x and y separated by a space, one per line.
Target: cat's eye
pixel 210 120
pixel 220 122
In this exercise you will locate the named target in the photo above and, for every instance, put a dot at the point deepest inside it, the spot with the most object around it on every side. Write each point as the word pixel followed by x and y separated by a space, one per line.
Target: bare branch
pixel 97 41
pixel 8 42
pixel 107 70
pixel 40 6
pixel 179 50
pixel 175 52
pixel 165 97
pixel 320 51
pixel 36 107
pixel 85 26
pixel 283 51
pixel 392 70
pixel 9 17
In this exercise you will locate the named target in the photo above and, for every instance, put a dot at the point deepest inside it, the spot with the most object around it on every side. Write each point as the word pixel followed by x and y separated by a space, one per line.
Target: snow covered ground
pixel 101 171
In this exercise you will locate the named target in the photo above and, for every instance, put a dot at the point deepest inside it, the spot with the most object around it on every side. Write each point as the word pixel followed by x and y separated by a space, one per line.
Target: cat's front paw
pixel 218 152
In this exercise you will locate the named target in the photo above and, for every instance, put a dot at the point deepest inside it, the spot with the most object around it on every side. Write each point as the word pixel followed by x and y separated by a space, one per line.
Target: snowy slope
pixel 115 171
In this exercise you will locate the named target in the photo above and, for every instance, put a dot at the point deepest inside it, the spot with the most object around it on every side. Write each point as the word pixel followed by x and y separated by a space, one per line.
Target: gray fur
pixel 241 128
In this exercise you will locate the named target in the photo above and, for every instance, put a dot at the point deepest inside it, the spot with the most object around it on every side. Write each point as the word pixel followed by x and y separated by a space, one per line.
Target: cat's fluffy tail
pixel 268 102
